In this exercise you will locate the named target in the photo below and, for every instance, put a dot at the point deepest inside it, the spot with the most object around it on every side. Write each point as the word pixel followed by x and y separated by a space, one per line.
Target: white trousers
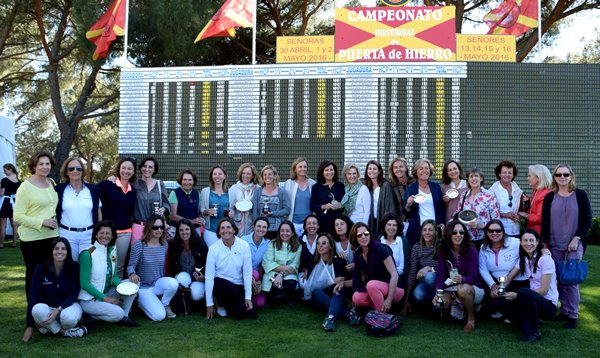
pixel 210 237
pixel 196 288
pixel 108 312
pixel 79 241
pixel 67 319
pixel 150 303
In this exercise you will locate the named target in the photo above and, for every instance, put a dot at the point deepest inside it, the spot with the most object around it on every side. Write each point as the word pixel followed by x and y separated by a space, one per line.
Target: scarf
pixel 349 200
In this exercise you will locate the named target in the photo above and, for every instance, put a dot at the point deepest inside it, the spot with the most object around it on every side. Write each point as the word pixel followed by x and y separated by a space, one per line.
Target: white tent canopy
pixel 7 148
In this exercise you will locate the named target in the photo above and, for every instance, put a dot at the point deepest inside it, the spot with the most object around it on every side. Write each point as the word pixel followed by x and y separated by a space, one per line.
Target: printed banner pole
pixel 539 31
pixel 126 36
pixel 255 11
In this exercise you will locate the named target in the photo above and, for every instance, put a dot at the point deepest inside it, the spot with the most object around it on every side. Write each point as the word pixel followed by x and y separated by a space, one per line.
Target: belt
pixel 76 229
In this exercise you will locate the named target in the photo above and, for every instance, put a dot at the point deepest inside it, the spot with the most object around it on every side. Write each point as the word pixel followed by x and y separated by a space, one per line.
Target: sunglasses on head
pixel 79 169
pixel 564 175
pixel 497 231
pixel 158 227
pixel 364 233
pixel 458 232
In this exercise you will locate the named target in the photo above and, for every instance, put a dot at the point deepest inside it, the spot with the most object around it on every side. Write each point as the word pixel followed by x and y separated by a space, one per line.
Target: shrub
pixel 594 233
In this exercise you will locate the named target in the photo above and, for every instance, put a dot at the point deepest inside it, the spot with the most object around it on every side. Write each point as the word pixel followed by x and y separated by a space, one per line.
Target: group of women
pixel 340 245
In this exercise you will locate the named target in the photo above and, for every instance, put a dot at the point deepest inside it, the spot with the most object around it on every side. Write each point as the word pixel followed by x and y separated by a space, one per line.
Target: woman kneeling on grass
pixel 458 261
pixel 541 299
pixel 229 273
pixel 52 302
pixel 147 269
pixel 374 277
pixel 99 280
pixel 281 262
pixel 329 283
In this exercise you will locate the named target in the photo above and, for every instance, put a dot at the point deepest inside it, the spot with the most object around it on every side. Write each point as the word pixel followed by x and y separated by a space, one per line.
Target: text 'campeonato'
pixel 395 15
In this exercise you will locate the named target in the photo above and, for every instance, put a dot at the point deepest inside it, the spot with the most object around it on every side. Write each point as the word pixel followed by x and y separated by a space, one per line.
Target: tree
pixel 590 52
pixel 49 75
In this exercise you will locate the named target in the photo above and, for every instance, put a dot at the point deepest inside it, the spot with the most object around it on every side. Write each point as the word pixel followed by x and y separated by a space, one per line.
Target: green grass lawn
pixel 293 332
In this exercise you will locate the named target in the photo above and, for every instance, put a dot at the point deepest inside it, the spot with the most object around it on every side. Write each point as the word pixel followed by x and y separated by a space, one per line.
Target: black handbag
pixel 181 303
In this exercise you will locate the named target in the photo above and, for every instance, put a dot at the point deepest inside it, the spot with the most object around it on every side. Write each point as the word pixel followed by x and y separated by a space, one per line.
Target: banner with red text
pixel 398 34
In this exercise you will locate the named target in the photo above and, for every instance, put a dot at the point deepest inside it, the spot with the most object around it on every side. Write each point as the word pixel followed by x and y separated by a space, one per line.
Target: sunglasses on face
pixel 79 169
pixel 495 231
pixel 564 175
pixel 458 232
pixel 322 243
pixel 158 227
pixel 365 233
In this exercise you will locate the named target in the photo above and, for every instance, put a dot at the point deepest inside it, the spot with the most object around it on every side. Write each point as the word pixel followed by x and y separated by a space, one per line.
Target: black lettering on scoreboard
pixel 271 114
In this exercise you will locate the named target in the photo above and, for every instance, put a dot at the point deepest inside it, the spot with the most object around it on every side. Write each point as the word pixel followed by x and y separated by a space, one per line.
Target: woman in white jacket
pixel 298 189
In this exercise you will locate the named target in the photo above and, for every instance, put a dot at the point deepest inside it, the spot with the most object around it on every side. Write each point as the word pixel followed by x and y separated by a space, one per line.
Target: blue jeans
pixel 425 289
pixel 334 304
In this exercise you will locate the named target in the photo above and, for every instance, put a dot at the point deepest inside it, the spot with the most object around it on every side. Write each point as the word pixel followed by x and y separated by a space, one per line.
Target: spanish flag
pixel 513 17
pixel 107 28
pixel 234 13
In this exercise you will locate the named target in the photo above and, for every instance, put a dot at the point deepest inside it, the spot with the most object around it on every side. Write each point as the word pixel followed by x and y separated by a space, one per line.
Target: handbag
pixel 379 324
pixel 572 271
pixel 181 303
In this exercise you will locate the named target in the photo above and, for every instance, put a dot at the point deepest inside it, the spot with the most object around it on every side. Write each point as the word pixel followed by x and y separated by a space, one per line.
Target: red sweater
pixel 534 219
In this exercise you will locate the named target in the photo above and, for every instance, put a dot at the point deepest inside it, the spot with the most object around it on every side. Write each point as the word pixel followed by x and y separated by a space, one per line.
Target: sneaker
pixel 496 315
pixel 76 332
pixel 571 323
pixel 43 331
pixel 353 318
pixel 128 322
pixel 221 311
pixel 329 324
pixel 170 313
pixel 507 321
pixel 531 338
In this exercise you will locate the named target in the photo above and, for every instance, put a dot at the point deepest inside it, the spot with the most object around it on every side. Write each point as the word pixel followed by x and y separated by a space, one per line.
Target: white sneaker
pixel 170 313
pixel 221 311
pixel 76 332
pixel 496 315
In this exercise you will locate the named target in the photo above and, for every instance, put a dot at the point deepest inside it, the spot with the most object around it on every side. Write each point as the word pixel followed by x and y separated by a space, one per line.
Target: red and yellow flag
pixel 513 17
pixel 234 13
pixel 110 25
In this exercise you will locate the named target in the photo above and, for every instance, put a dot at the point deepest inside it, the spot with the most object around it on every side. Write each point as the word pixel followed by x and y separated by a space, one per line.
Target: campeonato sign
pixel 399 34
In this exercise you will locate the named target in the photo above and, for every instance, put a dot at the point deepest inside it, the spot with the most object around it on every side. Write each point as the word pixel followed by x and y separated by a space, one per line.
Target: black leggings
pixel 34 253
pixel 231 297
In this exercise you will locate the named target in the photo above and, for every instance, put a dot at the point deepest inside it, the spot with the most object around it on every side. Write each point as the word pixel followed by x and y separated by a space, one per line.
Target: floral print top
pixel 486 207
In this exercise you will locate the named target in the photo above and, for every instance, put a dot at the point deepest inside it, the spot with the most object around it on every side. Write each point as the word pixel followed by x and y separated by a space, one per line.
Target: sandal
pixel 469 327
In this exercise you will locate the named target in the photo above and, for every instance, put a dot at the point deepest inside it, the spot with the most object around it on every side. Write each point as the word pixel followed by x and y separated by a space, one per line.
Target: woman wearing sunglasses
pixel 566 220
pixel 78 207
pixel 508 194
pixel 497 257
pixel 374 278
pixel 458 261
pixel 329 283
pixel 147 269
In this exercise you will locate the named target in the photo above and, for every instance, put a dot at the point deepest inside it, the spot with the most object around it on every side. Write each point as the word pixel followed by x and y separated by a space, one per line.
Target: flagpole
pixel 126 37
pixel 539 31
pixel 254 11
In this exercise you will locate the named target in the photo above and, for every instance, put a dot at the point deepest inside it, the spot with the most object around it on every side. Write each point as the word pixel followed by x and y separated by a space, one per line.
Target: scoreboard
pixel 201 116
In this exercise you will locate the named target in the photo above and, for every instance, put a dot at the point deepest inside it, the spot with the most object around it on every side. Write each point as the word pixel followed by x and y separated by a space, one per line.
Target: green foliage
pixel 594 233
pixel 283 331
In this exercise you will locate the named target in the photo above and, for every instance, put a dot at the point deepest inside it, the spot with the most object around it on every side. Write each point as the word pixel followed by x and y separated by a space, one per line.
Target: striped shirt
pixel 417 261
pixel 148 262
